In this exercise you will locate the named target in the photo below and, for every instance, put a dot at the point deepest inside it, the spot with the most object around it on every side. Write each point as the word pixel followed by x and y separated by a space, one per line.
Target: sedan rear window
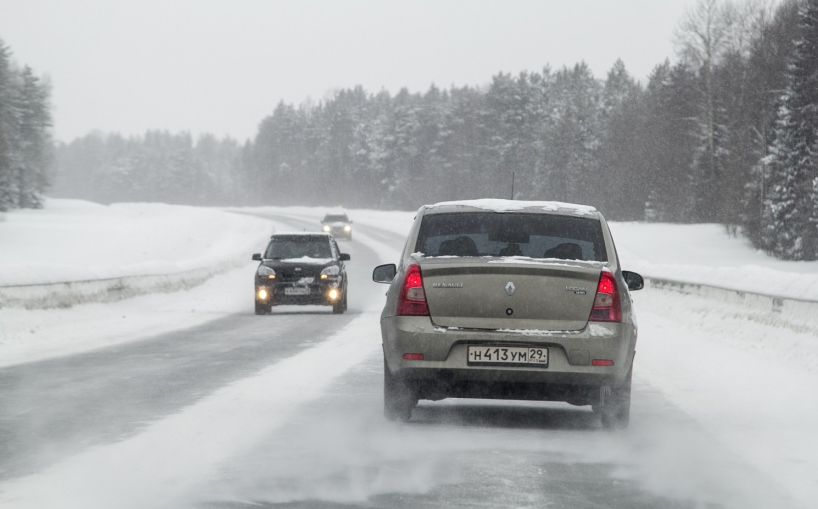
pixel 511 234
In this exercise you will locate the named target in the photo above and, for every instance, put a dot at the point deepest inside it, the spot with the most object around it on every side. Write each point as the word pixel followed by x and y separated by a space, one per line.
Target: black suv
pixel 301 268
pixel 339 225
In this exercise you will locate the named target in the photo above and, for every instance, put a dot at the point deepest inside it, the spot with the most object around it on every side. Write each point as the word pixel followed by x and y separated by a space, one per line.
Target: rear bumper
pixel 445 371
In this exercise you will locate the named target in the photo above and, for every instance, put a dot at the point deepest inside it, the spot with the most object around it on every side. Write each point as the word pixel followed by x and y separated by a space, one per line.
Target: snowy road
pixel 285 410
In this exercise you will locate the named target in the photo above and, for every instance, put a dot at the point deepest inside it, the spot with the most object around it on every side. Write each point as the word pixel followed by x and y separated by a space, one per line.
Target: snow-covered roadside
pixel 72 240
pixel 30 335
pixel 706 254
pixel 749 383
pixel 161 466
pixel 75 252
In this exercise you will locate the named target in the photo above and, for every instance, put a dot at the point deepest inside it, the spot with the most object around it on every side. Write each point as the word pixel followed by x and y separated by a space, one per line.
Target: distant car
pixel 339 225
pixel 509 300
pixel 301 268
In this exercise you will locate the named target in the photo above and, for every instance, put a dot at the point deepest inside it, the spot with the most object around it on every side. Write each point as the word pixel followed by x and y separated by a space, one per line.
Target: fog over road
pixel 71 426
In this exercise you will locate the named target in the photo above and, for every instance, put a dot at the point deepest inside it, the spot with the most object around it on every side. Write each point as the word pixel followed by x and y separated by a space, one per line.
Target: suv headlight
pixel 330 272
pixel 266 272
pixel 326 228
pixel 347 228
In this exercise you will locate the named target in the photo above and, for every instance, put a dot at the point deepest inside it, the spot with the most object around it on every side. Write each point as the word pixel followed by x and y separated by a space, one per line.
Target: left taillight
pixel 607 307
pixel 412 298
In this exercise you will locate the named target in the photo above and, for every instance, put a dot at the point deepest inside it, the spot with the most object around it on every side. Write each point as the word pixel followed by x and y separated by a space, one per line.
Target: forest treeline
pixel 26 146
pixel 726 134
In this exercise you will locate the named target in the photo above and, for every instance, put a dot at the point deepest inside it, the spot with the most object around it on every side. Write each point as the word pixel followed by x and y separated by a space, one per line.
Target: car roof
pixel 300 234
pixel 500 205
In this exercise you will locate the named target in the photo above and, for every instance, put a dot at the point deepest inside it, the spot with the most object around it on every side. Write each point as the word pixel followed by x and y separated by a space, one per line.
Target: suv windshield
pixel 336 218
pixel 511 234
pixel 299 246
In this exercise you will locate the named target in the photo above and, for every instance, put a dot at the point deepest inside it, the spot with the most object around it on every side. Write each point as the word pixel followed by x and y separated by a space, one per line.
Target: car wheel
pixel 398 400
pixel 615 410
pixel 339 306
pixel 262 309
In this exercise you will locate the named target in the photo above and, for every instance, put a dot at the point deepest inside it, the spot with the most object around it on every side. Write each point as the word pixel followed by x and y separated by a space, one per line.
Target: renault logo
pixel 510 288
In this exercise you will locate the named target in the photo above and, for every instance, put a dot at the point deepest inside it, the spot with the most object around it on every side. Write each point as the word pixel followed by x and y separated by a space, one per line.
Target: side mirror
pixel 384 273
pixel 344 257
pixel 634 280
pixel 257 257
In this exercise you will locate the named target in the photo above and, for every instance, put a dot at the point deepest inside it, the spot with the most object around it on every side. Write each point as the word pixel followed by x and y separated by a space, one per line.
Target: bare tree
pixel 711 33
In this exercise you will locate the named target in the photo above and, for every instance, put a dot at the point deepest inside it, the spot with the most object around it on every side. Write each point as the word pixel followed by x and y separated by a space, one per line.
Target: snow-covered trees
pixel 25 138
pixel 705 139
pixel 622 153
pixel 790 214
pixel 158 166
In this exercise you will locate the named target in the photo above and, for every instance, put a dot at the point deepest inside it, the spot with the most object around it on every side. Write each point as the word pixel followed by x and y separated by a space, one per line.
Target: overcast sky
pixel 213 66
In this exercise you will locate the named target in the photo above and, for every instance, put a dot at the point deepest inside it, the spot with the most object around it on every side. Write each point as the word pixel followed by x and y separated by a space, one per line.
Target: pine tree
pixel 667 145
pixel 771 49
pixel 35 141
pixel 790 217
pixel 621 157
pixel 461 146
pixel 573 145
pixel 8 131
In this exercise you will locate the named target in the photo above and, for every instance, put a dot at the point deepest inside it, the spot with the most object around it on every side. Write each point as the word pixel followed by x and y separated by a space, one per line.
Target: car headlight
pixel 347 228
pixel 330 272
pixel 266 272
pixel 326 227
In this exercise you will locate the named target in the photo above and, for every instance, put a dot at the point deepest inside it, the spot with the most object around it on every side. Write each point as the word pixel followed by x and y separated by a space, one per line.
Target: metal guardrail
pixel 777 301
pixel 794 313
pixel 70 293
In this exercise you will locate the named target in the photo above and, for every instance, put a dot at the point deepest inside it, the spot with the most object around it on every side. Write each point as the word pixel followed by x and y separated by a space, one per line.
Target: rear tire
pixel 615 410
pixel 398 398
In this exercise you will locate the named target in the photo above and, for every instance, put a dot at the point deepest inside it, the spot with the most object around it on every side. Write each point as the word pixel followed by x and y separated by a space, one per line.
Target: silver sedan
pixel 509 300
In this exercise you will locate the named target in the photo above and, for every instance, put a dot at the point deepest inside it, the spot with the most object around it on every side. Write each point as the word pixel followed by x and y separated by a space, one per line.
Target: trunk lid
pixel 502 293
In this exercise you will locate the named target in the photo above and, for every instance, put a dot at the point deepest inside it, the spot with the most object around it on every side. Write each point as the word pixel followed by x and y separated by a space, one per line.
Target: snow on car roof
pixel 306 234
pixel 500 205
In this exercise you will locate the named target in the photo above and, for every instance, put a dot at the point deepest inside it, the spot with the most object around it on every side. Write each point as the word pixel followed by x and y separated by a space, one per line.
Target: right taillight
pixel 412 298
pixel 607 307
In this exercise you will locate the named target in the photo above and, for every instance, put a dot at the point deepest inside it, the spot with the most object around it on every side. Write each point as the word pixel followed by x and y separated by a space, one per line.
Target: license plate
pixel 297 290
pixel 515 355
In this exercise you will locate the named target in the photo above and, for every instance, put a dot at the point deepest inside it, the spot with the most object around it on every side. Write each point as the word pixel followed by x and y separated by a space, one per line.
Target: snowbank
pixel 74 252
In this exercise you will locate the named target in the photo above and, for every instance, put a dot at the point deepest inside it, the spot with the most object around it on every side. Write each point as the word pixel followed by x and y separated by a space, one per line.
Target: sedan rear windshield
pixel 511 234
pixel 298 246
